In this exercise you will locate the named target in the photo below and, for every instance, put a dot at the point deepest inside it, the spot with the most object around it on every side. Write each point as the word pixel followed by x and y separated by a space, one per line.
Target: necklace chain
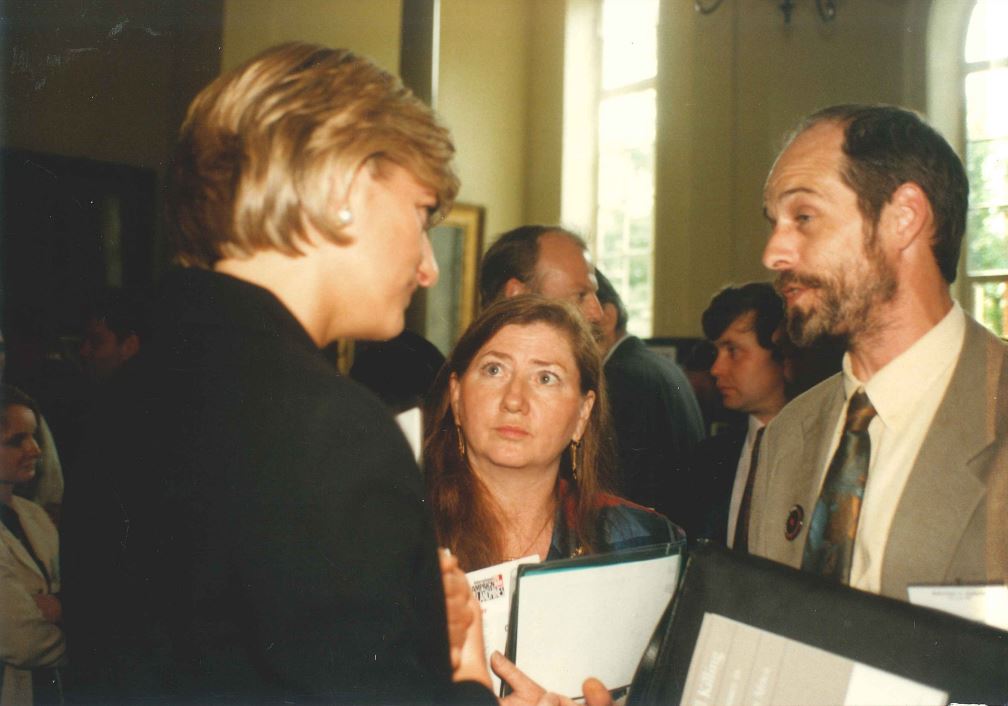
pixel 525 551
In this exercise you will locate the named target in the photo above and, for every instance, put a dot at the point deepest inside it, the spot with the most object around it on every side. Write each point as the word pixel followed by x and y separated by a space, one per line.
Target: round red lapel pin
pixel 795 520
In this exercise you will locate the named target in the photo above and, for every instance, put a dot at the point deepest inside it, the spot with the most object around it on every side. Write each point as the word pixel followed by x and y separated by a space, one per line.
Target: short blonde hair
pixel 275 143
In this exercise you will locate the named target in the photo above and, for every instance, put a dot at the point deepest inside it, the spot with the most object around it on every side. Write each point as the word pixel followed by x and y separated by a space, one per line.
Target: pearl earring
pixel 344 216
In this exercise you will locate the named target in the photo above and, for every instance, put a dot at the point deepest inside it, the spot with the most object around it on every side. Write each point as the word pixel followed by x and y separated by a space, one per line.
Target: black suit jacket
pixel 252 527
pixel 657 421
pixel 711 480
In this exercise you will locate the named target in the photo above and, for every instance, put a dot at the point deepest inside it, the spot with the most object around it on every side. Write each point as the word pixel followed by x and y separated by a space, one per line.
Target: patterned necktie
pixel 741 541
pixel 829 549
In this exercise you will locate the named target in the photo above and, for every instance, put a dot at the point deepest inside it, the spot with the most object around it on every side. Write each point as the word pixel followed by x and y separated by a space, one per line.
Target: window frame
pixel 970 281
pixel 600 95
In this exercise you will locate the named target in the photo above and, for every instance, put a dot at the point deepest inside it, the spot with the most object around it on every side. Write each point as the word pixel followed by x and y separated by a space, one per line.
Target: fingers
pixel 524 691
pixel 465 627
pixel 472 663
pixel 595 693
pixel 516 678
pixel 458 604
pixel 447 559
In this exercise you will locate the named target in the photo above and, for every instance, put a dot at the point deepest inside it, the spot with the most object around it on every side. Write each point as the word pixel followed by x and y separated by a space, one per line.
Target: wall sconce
pixel 825 8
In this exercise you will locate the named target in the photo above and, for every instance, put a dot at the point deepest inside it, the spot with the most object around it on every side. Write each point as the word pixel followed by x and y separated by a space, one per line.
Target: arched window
pixel 985 76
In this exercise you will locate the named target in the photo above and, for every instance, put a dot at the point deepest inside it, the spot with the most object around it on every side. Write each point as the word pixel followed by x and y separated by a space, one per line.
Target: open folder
pixel 745 630
pixel 590 616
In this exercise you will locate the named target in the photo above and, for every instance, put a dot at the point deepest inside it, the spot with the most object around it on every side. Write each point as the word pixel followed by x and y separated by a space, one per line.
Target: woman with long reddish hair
pixel 517 447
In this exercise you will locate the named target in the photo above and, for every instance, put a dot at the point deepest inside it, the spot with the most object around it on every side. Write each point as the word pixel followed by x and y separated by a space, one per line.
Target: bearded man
pixel 895 471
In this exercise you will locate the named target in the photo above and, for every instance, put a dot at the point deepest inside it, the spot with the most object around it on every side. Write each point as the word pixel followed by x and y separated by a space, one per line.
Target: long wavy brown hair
pixel 467 519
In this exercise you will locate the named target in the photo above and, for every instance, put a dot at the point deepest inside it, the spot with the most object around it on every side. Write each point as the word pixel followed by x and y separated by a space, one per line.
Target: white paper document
pixel 411 423
pixel 735 663
pixel 591 619
pixel 984 604
pixel 493 587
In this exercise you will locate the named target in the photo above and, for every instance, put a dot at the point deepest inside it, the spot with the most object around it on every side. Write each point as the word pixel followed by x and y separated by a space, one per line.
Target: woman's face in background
pixel 19 452
pixel 520 403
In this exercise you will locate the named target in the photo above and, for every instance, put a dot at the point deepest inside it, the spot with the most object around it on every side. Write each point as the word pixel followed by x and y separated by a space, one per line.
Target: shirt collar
pixel 897 387
pixel 612 350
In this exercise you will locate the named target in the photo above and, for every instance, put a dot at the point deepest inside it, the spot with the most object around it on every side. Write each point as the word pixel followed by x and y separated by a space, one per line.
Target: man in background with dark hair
pixel 744 323
pixel 112 332
pixel 656 417
pixel 545 260
pixel 894 472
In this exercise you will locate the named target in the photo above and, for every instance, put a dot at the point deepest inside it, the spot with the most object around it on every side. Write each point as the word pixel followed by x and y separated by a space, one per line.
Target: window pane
pixel 985 39
pixel 987 104
pixel 626 152
pixel 625 217
pixel 624 224
pixel 615 269
pixel 639 278
pixel 638 290
pixel 640 235
pixel 629 41
pixel 990 305
pixel 610 231
pixel 987 235
pixel 987 168
pixel 987 164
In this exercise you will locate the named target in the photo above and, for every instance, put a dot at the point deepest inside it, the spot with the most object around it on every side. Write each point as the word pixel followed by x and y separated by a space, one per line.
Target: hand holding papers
pixel 590 616
pixel 525 692
pixel 493 587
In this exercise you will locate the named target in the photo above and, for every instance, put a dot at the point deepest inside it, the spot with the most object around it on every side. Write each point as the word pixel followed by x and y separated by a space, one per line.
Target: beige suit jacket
pixel 951 522
pixel 27 639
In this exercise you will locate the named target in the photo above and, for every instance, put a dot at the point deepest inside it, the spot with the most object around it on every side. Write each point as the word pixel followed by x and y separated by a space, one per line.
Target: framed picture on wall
pixel 452 303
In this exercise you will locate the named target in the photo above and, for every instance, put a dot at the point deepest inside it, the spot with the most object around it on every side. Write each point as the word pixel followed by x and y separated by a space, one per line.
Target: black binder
pixel 967 660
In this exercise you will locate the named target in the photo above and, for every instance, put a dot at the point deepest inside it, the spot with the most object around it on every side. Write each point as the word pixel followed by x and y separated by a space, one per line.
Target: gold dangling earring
pixel 573 454
pixel 461 441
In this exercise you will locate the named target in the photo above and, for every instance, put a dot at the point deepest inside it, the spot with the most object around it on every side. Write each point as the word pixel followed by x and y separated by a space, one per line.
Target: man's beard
pixel 847 297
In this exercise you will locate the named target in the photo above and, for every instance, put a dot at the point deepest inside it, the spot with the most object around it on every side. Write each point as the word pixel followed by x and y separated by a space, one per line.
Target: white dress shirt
pixel 609 353
pixel 741 476
pixel 906 394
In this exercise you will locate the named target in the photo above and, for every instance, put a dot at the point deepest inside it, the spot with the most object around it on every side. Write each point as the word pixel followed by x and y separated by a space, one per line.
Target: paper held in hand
pixel 591 616
pixel 493 587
